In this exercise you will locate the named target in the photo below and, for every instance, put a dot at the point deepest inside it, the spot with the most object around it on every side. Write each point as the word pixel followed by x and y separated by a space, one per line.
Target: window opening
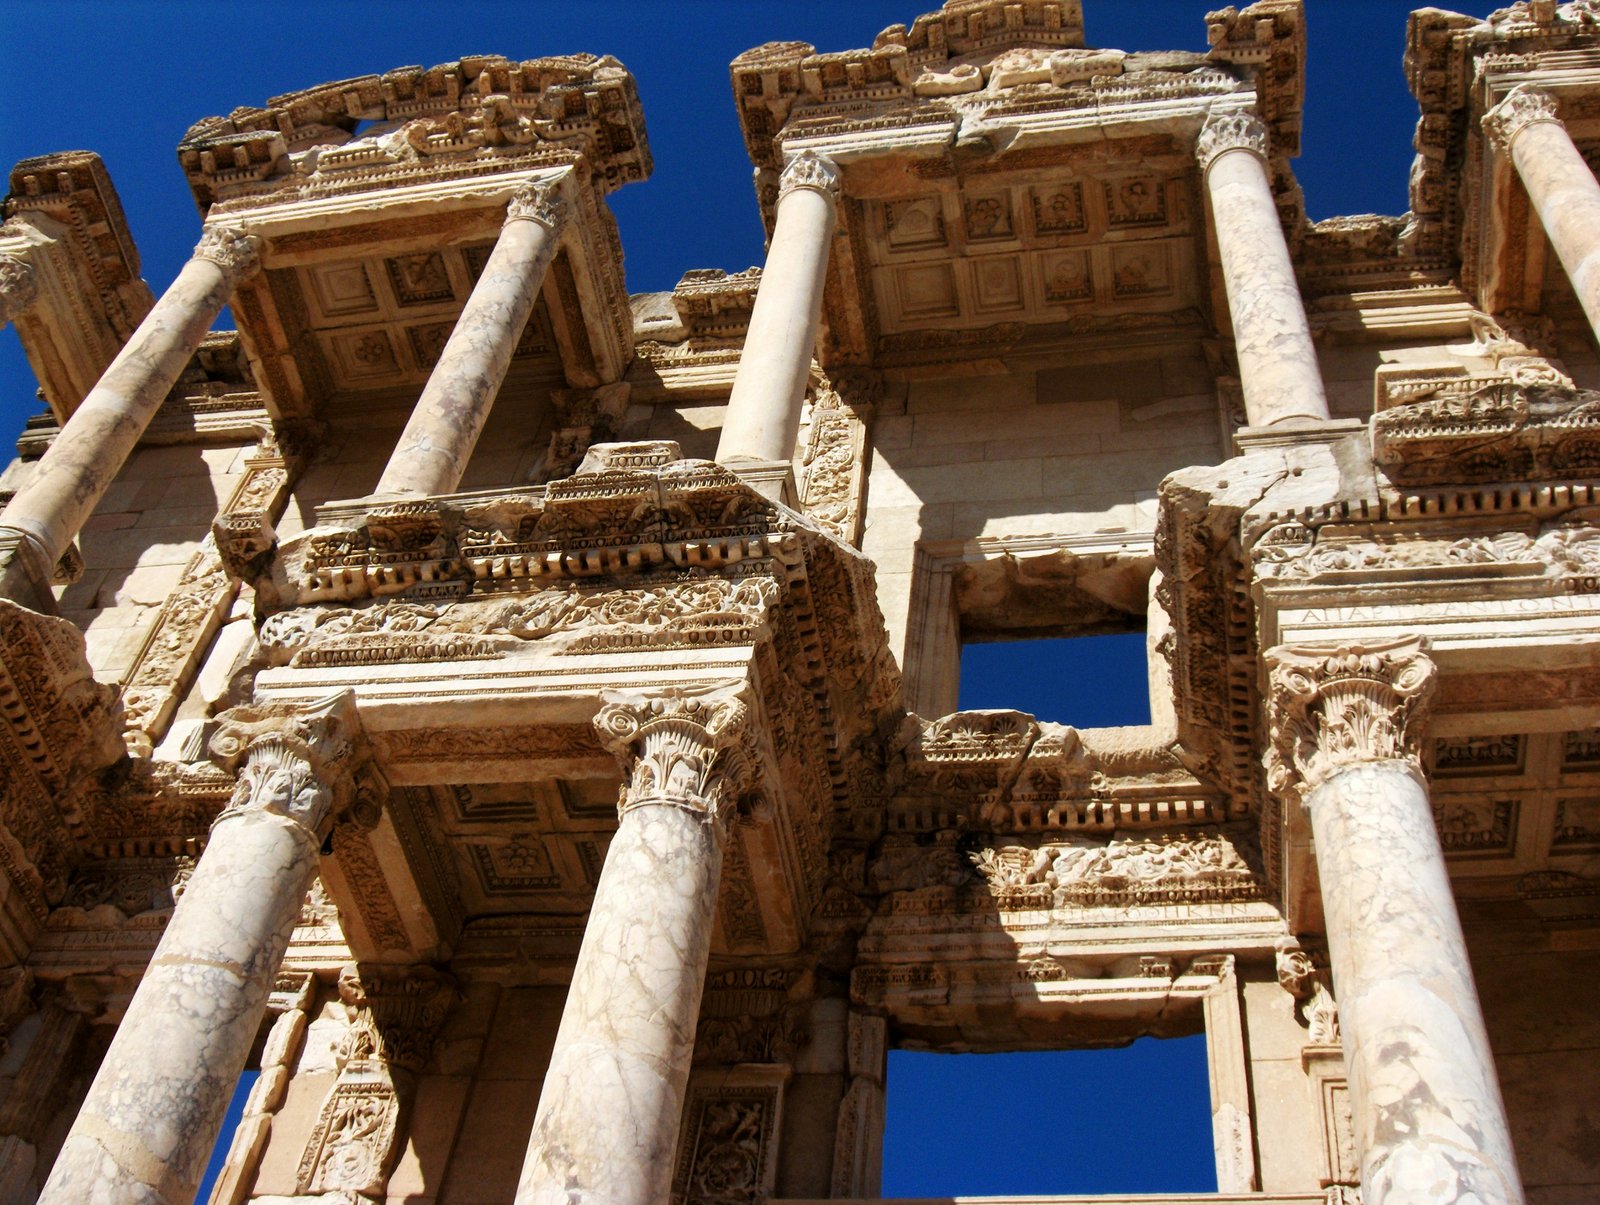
pixel 1129 1120
pixel 1086 681
pixel 230 1123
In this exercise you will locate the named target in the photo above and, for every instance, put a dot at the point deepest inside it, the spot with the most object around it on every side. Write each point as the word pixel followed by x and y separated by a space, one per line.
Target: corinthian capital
pixel 810 170
pixel 1225 132
pixel 19 287
pixel 1522 106
pixel 295 761
pixel 681 749
pixel 238 254
pixel 1337 707
pixel 542 201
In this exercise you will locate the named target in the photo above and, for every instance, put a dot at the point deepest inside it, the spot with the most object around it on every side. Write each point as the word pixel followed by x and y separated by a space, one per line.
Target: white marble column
pixel 69 480
pixel 438 440
pixel 612 1100
pixel 1429 1122
pixel 19 287
pixel 1277 362
pixel 769 388
pixel 147 1127
pixel 1527 126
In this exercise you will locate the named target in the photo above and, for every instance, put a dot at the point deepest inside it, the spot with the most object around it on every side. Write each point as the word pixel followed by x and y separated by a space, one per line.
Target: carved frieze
pixel 727 1150
pixel 834 459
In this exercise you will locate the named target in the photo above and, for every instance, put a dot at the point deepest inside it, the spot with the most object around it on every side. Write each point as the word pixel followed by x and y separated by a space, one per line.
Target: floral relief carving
pixel 681 749
pixel 1225 132
pixel 19 287
pixel 299 763
pixel 238 254
pixel 1523 106
pixel 1337 707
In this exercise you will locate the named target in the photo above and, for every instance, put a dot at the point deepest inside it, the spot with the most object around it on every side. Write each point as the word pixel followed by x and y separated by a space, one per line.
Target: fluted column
pixel 763 417
pixel 19 287
pixel 1277 362
pixel 1527 126
pixel 438 440
pixel 612 1100
pixel 1429 1122
pixel 146 1129
pixel 70 479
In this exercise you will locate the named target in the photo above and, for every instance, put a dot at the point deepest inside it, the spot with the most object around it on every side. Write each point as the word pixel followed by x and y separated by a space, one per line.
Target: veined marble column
pixel 1527 126
pixel 1277 362
pixel 69 480
pixel 438 440
pixel 763 417
pixel 19 287
pixel 612 1100
pixel 146 1129
pixel 1429 1121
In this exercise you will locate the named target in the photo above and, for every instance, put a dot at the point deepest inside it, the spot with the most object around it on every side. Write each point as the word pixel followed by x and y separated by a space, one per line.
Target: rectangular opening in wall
pixel 1087 681
pixel 1131 1120
pixel 230 1123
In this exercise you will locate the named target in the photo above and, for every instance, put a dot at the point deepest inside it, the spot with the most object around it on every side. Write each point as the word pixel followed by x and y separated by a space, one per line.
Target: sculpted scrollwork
pixel 298 763
pixel 19 287
pixel 681 749
pixel 1337 707
pixel 810 170
pixel 542 201
pixel 1225 132
pixel 1522 107
pixel 238 254
pixel 1305 977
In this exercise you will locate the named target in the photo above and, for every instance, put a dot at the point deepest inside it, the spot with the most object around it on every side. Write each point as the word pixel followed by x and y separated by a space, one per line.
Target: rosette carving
pixel 238 254
pixel 810 170
pixel 297 762
pixel 682 749
pixel 1522 107
pixel 1225 132
pixel 1337 707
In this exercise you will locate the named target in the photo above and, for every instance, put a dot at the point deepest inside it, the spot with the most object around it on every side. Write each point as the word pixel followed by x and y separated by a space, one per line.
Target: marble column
pixel 69 480
pixel 1527 126
pixel 146 1129
pixel 612 1101
pixel 769 388
pixel 438 440
pixel 19 287
pixel 1429 1121
pixel 1277 362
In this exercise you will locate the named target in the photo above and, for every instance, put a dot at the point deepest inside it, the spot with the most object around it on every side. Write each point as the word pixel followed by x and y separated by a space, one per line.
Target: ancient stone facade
pixel 518 718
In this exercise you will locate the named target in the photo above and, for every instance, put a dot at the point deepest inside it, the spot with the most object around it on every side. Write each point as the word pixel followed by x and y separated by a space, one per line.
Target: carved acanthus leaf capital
pixel 681 748
pixel 301 762
pixel 394 1013
pixel 542 201
pixel 19 287
pixel 810 170
pixel 238 254
pixel 1522 107
pixel 1337 707
pixel 1225 132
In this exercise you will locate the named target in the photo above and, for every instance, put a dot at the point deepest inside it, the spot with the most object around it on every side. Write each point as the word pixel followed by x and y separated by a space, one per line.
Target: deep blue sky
pixel 127 78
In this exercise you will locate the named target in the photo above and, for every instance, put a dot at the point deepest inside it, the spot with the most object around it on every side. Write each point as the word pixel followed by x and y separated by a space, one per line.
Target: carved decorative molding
pixel 810 170
pixel 692 751
pixel 1224 132
pixel 1523 106
pixel 834 460
pixel 542 201
pixel 1338 707
pixel 1306 977
pixel 19 287
pixel 299 762
pixel 238 254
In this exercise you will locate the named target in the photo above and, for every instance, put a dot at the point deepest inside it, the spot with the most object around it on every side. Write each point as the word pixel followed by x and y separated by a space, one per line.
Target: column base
pixel 772 479
pixel 1296 431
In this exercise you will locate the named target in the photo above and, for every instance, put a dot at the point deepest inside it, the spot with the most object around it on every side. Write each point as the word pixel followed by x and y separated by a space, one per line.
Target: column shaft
pixel 1559 183
pixel 1278 368
pixel 148 1124
pixel 1423 1089
pixel 73 474
pixel 612 1102
pixel 609 1112
pixel 763 416
pixel 438 440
